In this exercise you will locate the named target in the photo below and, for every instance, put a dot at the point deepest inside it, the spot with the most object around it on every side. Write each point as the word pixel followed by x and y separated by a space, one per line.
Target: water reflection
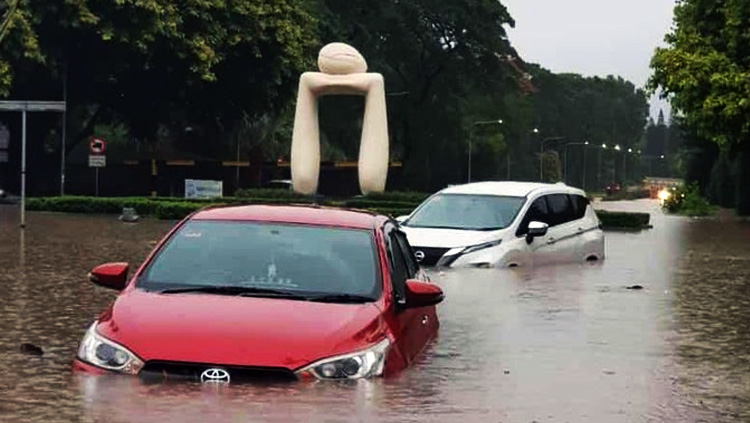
pixel 566 343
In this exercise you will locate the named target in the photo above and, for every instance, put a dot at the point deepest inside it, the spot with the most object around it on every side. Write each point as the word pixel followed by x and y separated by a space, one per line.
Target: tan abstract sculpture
pixel 342 72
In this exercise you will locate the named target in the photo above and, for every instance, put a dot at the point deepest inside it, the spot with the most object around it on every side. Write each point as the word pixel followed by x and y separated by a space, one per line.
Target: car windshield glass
pixel 467 211
pixel 296 259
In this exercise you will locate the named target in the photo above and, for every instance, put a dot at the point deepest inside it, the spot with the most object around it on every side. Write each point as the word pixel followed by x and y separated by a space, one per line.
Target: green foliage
pixel 623 220
pixel 688 201
pixel 402 196
pixel 269 193
pixel 73 204
pixel 177 210
pixel 149 62
pixel 206 77
pixel 704 69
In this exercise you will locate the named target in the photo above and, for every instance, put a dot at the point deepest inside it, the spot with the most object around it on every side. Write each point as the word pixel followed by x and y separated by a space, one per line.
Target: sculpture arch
pixel 343 71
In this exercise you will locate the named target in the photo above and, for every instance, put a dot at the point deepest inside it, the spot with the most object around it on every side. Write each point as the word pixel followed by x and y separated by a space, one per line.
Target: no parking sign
pixel 97 147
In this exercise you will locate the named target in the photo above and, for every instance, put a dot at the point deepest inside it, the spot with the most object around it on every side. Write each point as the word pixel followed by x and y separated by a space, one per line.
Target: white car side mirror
pixel 536 229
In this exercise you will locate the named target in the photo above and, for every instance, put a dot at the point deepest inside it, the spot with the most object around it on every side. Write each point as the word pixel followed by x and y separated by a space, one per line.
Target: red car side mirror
pixel 422 294
pixel 110 275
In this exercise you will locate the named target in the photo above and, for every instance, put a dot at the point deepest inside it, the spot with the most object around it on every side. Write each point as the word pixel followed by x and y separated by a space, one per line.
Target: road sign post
pixel 23 107
pixel 97 159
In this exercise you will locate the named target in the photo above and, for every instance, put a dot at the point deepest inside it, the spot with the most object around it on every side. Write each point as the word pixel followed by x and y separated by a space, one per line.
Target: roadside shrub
pixel 268 193
pixel 397 196
pixel 177 210
pixel 625 195
pixel 688 201
pixel 624 220
pixel 694 204
pixel 102 205
pixel 363 204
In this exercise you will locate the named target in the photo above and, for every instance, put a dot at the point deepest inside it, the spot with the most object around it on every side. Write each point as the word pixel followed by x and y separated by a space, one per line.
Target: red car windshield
pixel 298 259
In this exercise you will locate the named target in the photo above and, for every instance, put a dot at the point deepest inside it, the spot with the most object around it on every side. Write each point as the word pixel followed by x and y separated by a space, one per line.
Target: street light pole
pixel 565 160
pixel 599 168
pixel 481 122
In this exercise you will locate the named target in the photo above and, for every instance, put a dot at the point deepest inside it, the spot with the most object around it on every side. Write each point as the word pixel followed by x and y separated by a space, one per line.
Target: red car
pixel 266 291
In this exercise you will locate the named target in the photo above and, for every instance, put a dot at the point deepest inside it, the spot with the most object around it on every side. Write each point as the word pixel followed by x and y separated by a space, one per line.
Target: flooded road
pixel 556 344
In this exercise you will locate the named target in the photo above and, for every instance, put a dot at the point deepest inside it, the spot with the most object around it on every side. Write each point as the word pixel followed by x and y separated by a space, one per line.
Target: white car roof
pixel 510 189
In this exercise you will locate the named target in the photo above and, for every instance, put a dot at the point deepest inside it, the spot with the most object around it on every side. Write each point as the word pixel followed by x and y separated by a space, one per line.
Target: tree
pixel 705 70
pixel 149 62
pixel 434 55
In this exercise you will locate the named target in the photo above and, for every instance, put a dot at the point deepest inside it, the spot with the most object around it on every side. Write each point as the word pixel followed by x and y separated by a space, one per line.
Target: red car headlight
pixel 361 364
pixel 101 352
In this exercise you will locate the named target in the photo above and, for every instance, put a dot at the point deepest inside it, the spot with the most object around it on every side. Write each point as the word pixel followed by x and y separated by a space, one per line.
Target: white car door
pixel 563 235
pixel 538 251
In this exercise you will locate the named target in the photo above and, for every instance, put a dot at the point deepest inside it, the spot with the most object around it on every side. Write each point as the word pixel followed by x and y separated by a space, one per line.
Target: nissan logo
pixel 215 376
pixel 419 255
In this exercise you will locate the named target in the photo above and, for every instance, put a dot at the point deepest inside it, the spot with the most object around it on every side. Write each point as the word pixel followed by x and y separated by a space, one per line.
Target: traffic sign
pixel 97 146
pixel 97 160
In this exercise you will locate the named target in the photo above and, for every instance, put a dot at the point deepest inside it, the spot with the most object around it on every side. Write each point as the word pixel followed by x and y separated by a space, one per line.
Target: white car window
pixel 561 209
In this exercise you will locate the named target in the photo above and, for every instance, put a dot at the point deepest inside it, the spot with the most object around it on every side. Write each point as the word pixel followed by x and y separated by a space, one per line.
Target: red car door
pixel 414 326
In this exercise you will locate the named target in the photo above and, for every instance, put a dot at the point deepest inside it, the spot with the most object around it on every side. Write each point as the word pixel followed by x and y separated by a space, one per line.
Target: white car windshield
pixel 467 211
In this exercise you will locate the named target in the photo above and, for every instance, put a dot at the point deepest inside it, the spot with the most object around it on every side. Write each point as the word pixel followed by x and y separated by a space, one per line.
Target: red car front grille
pixel 193 371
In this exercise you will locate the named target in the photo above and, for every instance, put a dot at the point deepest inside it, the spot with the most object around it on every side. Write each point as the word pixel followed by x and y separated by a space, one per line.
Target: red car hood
pixel 242 331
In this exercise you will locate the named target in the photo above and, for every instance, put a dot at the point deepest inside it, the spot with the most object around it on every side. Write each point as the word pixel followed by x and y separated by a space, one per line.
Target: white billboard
pixel 196 188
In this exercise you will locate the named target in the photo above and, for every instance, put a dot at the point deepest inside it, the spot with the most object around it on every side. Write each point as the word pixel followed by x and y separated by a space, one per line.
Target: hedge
pixel 627 220
pixel 627 195
pixel 178 208
pixel 173 209
pixel 102 205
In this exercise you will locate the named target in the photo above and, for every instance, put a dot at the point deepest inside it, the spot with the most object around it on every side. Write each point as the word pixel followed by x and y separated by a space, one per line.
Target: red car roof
pixel 311 215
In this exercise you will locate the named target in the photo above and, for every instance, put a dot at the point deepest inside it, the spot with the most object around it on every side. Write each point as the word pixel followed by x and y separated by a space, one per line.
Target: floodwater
pixel 556 344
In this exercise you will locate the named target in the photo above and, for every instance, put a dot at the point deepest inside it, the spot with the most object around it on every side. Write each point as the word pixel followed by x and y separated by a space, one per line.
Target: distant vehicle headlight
pixel 664 195
pixel 101 352
pixel 361 364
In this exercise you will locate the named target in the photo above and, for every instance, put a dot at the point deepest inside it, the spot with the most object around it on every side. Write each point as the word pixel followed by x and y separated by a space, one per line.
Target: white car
pixel 504 224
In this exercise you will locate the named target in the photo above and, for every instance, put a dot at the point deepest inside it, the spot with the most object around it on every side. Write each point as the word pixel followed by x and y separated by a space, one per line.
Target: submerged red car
pixel 266 291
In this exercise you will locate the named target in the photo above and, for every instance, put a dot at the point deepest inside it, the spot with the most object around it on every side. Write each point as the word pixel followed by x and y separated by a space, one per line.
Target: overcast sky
pixel 591 37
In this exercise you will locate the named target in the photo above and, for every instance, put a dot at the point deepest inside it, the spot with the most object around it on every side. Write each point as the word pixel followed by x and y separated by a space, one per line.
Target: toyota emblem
pixel 419 255
pixel 215 376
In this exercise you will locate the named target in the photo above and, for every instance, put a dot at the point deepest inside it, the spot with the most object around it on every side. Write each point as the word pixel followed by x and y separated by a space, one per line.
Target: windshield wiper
pixel 246 291
pixel 341 298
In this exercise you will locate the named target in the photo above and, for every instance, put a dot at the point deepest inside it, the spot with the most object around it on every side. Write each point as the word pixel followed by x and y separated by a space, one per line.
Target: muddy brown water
pixel 557 344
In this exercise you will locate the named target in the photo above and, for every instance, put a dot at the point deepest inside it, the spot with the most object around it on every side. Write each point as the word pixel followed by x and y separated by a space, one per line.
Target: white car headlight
pixel 361 364
pixel 452 255
pixel 101 352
